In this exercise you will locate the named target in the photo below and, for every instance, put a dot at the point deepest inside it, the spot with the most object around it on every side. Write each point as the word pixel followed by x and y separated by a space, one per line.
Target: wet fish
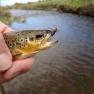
pixel 23 44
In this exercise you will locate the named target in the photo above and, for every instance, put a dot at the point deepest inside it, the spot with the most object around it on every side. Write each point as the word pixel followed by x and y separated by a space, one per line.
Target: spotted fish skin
pixel 16 40
pixel 23 44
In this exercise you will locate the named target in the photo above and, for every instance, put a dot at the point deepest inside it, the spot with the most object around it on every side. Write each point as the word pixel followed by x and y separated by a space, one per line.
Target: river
pixel 66 68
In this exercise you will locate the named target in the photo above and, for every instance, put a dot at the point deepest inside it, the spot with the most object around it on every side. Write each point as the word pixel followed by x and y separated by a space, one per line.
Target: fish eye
pixel 39 36
pixel 10 45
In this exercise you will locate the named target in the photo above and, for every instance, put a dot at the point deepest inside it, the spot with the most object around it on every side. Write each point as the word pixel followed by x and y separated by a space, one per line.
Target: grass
pixel 54 3
pixel 72 3
pixel 5 16
pixel 85 7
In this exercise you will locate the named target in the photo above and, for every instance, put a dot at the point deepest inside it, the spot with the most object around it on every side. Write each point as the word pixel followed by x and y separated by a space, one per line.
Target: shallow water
pixel 68 67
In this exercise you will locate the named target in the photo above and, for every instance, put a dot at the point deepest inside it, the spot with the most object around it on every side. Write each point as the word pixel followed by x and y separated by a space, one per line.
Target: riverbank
pixel 5 15
pixel 85 7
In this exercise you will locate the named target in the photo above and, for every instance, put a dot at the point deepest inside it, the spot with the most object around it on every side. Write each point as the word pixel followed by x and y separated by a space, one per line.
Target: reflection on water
pixel 67 68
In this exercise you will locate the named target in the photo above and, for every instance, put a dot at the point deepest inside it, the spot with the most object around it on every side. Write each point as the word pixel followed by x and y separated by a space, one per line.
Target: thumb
pixel 5 62
pixel 5 56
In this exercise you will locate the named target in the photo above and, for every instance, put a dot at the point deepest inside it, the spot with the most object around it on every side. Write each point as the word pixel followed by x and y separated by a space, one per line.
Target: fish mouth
pixel 50 39
pixel 53 31
pixel 47 40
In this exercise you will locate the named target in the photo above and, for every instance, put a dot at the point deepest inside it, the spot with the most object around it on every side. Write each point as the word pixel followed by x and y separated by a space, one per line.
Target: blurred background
pixel 66 68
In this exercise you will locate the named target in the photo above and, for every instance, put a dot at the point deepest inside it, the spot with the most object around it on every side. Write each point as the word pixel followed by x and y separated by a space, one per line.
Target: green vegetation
pixel 85 7
pixel 5 16
pixel 71 3
pixel 29 6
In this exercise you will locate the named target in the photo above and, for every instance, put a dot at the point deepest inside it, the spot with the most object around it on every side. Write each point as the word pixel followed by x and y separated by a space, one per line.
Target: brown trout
pixel 23 44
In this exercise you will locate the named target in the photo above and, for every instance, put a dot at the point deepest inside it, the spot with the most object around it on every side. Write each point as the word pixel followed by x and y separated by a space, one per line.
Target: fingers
pixel 5 56
pixel 5 62
pixel 19 67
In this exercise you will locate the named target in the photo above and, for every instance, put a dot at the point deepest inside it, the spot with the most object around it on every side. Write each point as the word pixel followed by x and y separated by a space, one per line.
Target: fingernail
pixel 5 62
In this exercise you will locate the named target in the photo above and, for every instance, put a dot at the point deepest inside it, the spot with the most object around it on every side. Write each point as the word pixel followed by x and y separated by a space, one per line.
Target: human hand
pixel 8 68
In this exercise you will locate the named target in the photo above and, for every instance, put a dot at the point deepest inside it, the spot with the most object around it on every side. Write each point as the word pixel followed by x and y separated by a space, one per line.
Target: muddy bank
pixel 83 10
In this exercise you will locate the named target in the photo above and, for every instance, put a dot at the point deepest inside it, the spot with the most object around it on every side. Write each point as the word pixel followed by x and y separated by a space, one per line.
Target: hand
pixel 8 68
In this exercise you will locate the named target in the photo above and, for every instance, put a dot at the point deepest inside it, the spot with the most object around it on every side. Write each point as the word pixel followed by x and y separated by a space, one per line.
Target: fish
pixel 25 43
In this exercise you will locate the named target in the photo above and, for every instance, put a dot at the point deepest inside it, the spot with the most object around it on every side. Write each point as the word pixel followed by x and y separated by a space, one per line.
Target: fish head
pixel 42 39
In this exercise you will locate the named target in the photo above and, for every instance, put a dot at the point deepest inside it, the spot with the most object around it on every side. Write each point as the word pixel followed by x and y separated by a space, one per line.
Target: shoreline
pixel 84 10
pixel 68 7
pixel 5 15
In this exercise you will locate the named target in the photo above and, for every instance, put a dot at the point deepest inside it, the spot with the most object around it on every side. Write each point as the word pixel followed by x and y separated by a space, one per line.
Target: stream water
pixel 68 67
